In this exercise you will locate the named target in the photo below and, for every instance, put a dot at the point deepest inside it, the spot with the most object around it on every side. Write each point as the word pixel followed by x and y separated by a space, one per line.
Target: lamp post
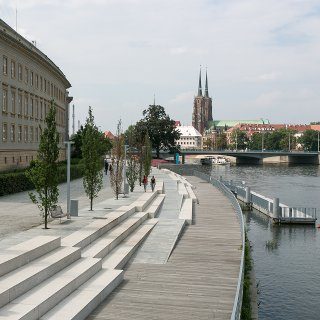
pixel 68 143
pixel 262 142
pixel 289 142
pixel 318 141
pixel 236 140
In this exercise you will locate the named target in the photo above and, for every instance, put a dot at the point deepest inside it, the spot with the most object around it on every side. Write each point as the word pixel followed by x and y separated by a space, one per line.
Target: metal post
pixel 262 143
pixel 68 143
pixel 318 142
pixel 236 140
pixel 276 208
pixel 248 194
pixel 289 141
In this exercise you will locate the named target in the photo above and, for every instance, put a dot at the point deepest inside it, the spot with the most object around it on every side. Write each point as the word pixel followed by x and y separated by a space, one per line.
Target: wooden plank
pixel 200 278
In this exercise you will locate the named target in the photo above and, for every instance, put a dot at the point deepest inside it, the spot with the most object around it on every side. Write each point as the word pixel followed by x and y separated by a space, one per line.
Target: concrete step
pixel 87 297
pixel 22 253
pixel 121 255
pixel 155 206
pixel 39 300
pixel 21 280
pixel 186 212
pixel 102 246
pixel 97 228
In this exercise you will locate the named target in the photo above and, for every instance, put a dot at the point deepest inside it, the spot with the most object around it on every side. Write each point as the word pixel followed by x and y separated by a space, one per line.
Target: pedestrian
pixel 153 183
pixel 110 168
pixel 145 183
pixel 106 166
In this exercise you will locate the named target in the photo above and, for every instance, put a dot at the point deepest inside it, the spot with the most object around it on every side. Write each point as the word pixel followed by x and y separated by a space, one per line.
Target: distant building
pixel 109 134
pixel 29 81
pixel 202 108
pixel 190 138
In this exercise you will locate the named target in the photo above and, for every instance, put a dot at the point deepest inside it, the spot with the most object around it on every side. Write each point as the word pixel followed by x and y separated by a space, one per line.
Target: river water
pixel 288 272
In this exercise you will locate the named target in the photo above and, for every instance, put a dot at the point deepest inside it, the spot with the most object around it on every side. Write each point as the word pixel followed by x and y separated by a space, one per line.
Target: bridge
pixel 257 156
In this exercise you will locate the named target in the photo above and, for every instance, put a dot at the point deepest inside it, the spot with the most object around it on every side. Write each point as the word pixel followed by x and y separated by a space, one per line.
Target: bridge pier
pixel 248 160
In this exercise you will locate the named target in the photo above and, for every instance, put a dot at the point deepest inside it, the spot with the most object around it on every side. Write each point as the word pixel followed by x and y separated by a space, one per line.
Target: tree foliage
pixel 104 146
pixel 116 173
pixel 309 140
pixel 44 172
pixel 221 141
pixel 160 127
pixel 91 154
pixel 239 139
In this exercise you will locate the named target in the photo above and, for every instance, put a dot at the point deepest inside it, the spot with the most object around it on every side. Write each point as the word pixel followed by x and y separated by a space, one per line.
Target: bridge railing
pixel 298 212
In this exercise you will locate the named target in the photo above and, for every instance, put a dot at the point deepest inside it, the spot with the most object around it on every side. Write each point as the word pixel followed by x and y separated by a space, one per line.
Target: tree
pixel 91 143
pixel 239 139
pixel 147 155
pixel 116 173
pixel 161 128
pixel 221 141
pixel 309 140
pixel 132 172
pixel 104 146
pixel 44 172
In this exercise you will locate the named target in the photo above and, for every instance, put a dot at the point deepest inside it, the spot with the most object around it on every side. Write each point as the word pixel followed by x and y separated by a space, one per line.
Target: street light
pixel 289 142
pixel 68 143
pixel 236 140
pixel 262 142
pixel 318 142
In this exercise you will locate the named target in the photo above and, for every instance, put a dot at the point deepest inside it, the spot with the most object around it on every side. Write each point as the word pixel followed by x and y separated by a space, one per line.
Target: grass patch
pixel 246 299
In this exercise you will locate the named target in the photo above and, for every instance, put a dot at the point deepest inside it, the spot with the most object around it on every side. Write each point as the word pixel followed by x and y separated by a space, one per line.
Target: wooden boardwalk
pixel 199 280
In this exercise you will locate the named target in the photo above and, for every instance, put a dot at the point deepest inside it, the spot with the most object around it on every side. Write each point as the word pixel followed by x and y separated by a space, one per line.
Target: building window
pixel 25 134
pixel 12 133
pixel 31 107
pixel 19 135
pixel 41 83
pixel 5 65
pixel 41 109
pixel 37 109
pixel 31 78
pixel 31 134
pixel 20 103
pixel 26 111
pixel 13 69
pixel 37 81
pixel 51 89
pixel 4 100
pixel 45 85
pixel 13 102
pixel 37 134
pixel 19 72
pixel 26 75
pixel 4 132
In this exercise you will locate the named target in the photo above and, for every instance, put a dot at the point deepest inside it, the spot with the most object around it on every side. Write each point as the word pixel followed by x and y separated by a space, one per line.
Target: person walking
pixel 145 183
pixel 106 166
pixel 153 183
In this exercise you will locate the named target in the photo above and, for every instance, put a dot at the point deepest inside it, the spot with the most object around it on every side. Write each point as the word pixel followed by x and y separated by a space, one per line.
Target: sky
pixel 262 56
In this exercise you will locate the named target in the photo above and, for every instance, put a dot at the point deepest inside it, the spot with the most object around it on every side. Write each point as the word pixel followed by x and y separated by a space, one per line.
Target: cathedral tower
pixel 202 107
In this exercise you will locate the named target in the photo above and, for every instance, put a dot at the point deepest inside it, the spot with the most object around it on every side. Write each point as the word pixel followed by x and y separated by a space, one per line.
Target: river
pixel 288 271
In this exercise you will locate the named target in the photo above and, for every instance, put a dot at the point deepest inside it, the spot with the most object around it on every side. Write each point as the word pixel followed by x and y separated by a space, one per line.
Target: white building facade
pixel 190 138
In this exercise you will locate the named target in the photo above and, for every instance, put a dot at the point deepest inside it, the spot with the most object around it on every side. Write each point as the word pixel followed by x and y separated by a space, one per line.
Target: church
pixel 202 119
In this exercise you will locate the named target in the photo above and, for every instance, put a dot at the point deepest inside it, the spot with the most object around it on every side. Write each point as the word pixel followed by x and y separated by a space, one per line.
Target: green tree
pixel 116 173
pixel 44 172
pixel 132 171
pixel 221 141
pixel 92 161
pixel 104 145
pixel 147 155
pixel 161 129
pixel 239 139
pixel 309 140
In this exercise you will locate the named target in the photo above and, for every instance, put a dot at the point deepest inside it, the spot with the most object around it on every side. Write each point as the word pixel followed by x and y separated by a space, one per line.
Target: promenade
pixel 200 278
pixel 179 272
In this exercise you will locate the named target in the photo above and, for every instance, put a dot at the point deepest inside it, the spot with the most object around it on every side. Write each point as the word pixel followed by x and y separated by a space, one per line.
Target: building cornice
pixel 16 40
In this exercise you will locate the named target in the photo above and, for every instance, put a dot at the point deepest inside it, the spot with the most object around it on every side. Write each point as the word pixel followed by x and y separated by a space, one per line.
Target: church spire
pixel 206 91
pixel 200 87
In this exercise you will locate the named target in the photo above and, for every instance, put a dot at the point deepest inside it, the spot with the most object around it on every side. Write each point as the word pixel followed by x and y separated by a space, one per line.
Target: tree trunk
pixel 46 218
pixel 158 152
pixel 91 203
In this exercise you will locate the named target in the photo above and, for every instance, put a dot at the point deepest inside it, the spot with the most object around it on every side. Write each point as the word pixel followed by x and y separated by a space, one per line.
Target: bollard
pixel 276 208
pixel 74 208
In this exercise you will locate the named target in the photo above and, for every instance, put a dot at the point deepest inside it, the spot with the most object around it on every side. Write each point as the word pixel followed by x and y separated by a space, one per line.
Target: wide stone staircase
pixel 47 277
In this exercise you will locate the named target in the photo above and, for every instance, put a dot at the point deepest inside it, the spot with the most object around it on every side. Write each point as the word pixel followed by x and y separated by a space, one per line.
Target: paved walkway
pixel 200 278
pixel 21 220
